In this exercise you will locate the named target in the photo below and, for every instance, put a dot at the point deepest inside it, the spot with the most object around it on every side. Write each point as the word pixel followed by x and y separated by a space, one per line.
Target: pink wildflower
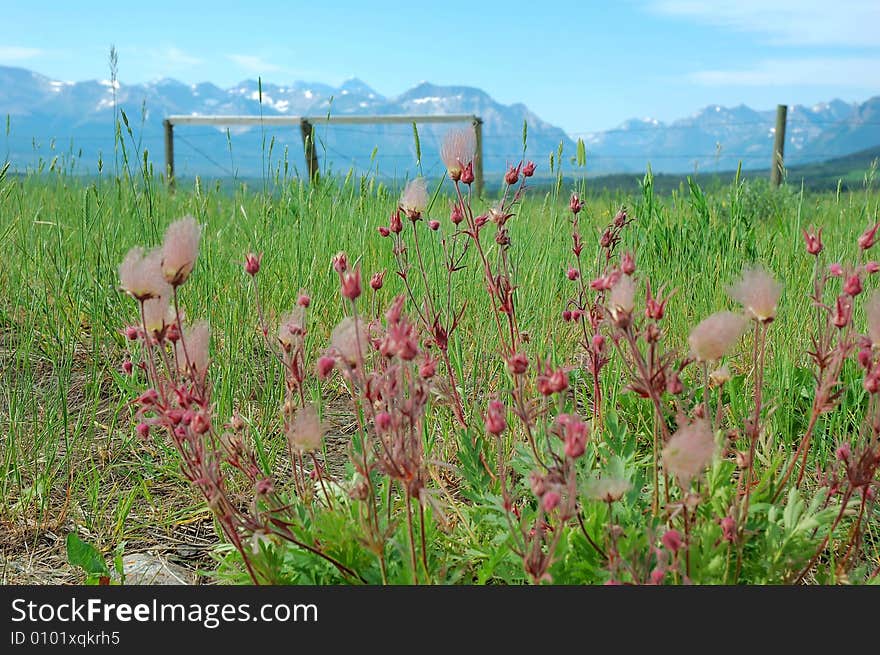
pixel 180 250
pixel 689 451
pixel 140 274
pixel 757 292
pixel 458 150
pixel 252 263
pixel 496 418
pixel 304 433
pixel 414 199
pixel 714 336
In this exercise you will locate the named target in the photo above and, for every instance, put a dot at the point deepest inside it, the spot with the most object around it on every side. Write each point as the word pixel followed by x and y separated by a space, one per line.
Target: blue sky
pixel 584 65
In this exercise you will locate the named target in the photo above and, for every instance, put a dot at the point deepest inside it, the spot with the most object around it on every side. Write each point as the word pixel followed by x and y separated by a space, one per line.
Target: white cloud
pixel 17 53
pixel 856 72
pixel 254 64
pixel 851 23
pixel 176 58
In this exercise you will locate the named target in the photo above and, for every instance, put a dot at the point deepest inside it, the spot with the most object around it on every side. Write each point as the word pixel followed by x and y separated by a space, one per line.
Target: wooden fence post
pixel 777 164
pixel 478 159
pixel 169 151
pixel 311 153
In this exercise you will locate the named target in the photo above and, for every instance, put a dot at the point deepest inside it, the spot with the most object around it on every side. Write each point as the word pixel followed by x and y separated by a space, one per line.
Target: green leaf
pixel 581 153
pixel 418 143
pixel 85 556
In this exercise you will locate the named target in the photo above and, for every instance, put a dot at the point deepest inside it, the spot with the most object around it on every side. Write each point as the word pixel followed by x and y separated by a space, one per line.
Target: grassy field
pixel 70 460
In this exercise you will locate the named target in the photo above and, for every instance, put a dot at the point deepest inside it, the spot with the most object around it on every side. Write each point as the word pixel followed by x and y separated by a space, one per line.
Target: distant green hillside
pixel 850 171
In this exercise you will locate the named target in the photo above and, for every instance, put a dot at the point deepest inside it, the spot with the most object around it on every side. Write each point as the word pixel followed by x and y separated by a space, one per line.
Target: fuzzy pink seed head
pixel 252 263
pixel 291 326
pixel 720 376
pixel 458 151
pixel 193 350
pixel 621 300
pixel 671 540
pixel 714 336
pixel 305 432
pixel 158 313
pixel 140 274
pixel 607 490
pixel 325 366
pixel 550 500
pixel 757 292
pixel 180 250
pixel 689 451
pixel 414 198
pixel 348 337
pixel 872 312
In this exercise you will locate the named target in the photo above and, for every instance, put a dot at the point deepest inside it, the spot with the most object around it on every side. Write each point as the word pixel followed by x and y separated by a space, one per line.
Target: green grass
pixel 69 457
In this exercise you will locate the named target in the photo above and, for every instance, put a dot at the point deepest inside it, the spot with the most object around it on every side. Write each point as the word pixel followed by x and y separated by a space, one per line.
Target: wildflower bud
pixel 173 333
pixel 843 452
pixel 872 267
pixel 550 501
pixel 671 540
pixel 325 366
pixel 538 483
pixel 575 204
pixel 303 300
pixel 384 231
pixel 340 262
pixel 528 169
pixel 377 281
pixel 396 223
pixel 264 486
pixel 512 176
pixel 742 459
pixel 360 490
pixel 578 246
pixel 573 273
pixel 143 430
pixel 496 419
pixel 627 263
pixel 456 215
pixel 127 367
pixel 131 332
pixel 252 263
pixel 575 436
pixel 869 236
pixel 598 344
pixel 871 383
pixel 467 174
pixel 835 270
pixel 842 312
pixel 853 285
pixel 434 225
pixel 480 221
pixel 428 369
pixel 865 357
pixel 728 529
pixel 720 376
pixel 652 333
pixel 814 242
pixel 566 315
pixel 606 239
pixel 674 385
pixel 657 575
pixel 200 424
pixel 620 217
pixel 351 284
pixel 518 363
pixel 147 398
pixel 383 421
pixel 236 422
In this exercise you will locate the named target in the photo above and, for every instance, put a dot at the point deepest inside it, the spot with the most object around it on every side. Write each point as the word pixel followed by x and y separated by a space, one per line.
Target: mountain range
pixel 74 120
